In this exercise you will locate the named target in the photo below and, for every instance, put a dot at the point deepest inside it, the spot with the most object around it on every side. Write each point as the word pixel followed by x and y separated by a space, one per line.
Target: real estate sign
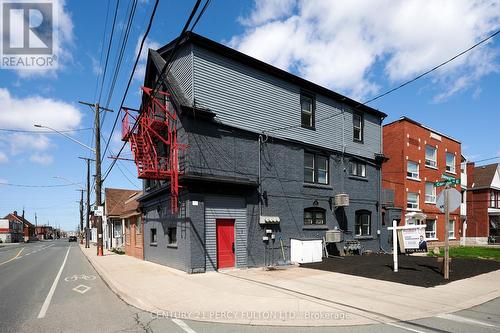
pixel 411 238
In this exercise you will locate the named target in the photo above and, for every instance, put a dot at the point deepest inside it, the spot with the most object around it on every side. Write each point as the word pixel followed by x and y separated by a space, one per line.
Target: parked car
pixel 72 239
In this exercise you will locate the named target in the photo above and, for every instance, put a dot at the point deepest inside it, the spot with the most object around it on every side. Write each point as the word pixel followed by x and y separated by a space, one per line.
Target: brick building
pixel 419 156
pixel 483 203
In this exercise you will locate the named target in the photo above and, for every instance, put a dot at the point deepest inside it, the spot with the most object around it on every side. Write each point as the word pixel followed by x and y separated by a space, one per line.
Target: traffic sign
pixel 445 176
pixel 454 199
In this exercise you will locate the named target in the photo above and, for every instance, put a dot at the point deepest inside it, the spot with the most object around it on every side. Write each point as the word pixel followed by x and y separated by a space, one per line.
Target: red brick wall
pixel 134 242
pixel 404 141
pixel 477 213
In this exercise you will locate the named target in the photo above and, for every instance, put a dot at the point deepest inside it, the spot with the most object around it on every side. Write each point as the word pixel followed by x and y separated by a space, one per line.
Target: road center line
pixel 17 255
pixel 46 304
pixel 405 328
pixel 183 325
pixel 465 320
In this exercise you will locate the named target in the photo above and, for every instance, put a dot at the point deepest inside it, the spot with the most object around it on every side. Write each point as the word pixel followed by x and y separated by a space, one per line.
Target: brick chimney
pixel 470 174
pixel 15 213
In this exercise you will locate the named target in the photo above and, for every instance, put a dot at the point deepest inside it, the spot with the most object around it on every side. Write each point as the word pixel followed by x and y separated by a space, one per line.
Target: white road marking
pixel 405 328
pixel 465 320
pixel 46 304
pixel 82 289
pixel 183 325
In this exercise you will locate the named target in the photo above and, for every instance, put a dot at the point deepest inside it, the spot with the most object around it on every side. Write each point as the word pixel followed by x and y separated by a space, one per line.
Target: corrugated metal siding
pixel 250 99
pixel 182 69
pixel 231 208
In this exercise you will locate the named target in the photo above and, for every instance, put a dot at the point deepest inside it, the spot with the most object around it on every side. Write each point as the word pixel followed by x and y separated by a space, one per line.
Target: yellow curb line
pixel 17 255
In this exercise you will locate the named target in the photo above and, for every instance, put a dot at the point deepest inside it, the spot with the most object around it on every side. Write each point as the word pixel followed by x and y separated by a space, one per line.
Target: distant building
pixel 11 228
pixel 483 203
pixel 418 157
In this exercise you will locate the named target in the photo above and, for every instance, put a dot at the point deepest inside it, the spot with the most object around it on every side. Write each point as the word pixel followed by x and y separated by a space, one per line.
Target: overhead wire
pixel 162 73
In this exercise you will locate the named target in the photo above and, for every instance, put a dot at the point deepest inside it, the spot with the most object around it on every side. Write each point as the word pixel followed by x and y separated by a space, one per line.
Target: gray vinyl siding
pixel 253 100
pixel 230 208
pixel 182 69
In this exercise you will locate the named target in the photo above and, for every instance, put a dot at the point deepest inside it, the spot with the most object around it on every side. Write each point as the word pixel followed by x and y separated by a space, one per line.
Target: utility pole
pixel 81 215
pixel 87 229
pixel 98 181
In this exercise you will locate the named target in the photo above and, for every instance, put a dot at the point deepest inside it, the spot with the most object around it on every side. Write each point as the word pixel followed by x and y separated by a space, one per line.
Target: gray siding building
pixel 268 155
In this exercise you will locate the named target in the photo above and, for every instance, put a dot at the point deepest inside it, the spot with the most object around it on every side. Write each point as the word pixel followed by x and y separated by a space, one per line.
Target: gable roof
pixel 131 206
pixel 484 175
pixel 12 216
pixel 191 37
pixel 115 200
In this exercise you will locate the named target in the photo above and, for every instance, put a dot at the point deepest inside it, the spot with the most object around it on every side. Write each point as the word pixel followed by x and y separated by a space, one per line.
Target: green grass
pixel 470 252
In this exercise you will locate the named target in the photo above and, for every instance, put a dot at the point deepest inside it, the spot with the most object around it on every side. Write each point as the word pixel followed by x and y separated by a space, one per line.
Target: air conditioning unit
pixel 334 236
pixel 341 200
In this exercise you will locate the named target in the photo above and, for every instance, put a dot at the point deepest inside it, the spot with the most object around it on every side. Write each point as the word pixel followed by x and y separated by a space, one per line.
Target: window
pixel 315 168
pixel 138 227
pixel 430 229
pixel 430 193
pixel 307 107
pixel 451 230
pixel 358 169
pixel 431 156
pixel 152 239
pixel 172 236
pixel 362 224
pixel 314 216
pixel 493 201
pixel 357 127
pixel 412 170
pixel 450 162
pixel 498 199
pixel 412 201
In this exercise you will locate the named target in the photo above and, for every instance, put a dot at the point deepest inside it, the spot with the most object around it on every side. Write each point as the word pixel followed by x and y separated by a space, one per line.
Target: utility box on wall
pixel 341 200
pixel 306 251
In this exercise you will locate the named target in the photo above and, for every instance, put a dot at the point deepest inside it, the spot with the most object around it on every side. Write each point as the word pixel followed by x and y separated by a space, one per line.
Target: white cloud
pixel 340 44
pixel 64 25
pixel 3 158
pixel 23 113
pixel 141 66
pixel 43 159
pixel 21 142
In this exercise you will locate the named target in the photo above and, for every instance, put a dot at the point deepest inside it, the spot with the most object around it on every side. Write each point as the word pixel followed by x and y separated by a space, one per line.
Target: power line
pixel 44 132
pixel 38 186
pixel 108 51
pixel 160 77
pixel 102 48
pixel 395 88
pixel 131 77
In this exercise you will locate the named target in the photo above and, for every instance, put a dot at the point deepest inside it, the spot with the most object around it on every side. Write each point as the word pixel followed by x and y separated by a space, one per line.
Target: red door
pixel 225 243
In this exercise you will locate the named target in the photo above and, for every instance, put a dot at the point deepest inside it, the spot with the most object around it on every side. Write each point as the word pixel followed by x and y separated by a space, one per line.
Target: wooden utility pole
pixel 87 229
pixel 446 263
pixel 98 181
pixel 81 215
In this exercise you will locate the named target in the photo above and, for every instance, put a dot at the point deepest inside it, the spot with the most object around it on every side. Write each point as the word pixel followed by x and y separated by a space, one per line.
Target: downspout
pixel 379 232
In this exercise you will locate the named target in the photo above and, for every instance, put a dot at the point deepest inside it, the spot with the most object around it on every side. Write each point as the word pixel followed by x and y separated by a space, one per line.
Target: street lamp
pixel 67 136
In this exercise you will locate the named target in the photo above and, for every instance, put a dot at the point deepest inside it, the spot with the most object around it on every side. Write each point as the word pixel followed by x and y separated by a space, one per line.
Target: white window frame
pixel 450 168
pixel 411 174
pixel 305 112
pixel 430 198
pixel 355 116
pixel 431 163
pixel 431 234
pixel 413 205
pixel 451 229
pixel 358 169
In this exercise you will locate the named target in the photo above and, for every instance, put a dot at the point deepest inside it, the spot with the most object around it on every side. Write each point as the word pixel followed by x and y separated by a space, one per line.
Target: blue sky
pixel 341 45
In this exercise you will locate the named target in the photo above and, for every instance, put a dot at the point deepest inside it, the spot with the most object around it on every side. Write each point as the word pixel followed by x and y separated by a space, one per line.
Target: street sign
pixel 454 199
pixel 445 176
pixel 98 210
pixel 452 181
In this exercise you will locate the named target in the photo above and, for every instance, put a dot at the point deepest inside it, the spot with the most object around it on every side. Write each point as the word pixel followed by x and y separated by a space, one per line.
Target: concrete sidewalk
pixel 291 297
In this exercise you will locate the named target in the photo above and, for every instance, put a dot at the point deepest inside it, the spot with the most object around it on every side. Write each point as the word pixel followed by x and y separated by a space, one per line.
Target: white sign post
pixel 408 241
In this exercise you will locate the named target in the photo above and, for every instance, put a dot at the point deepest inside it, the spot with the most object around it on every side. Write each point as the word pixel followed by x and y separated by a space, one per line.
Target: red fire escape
pixel 153 141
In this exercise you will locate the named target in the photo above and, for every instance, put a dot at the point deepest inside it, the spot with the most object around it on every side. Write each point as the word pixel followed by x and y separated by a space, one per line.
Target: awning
pixel 416 216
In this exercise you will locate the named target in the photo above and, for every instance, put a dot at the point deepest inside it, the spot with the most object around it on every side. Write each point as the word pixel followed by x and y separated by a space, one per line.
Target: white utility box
pixel 306 251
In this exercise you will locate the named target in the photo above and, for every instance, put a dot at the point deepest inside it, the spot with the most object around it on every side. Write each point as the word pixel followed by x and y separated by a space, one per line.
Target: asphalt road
pixel 51 287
